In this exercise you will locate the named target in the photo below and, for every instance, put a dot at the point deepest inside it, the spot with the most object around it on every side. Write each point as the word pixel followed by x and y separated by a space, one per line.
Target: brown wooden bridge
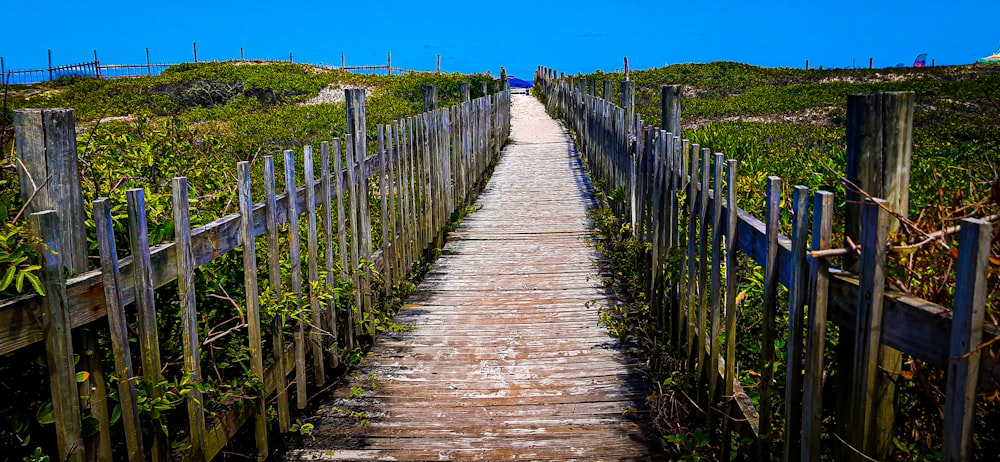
pixel 503 357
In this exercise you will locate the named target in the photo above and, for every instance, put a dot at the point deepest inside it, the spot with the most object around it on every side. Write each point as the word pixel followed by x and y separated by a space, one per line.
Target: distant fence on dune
pixel 95 69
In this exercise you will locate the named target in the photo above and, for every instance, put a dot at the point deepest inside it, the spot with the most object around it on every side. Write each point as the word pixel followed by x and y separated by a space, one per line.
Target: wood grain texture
pixel 503 357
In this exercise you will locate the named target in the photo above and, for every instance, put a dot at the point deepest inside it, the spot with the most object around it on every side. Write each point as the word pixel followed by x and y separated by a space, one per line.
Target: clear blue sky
pixel 570 36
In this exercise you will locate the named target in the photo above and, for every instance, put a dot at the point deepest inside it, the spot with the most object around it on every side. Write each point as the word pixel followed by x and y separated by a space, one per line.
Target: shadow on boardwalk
pixel 503 357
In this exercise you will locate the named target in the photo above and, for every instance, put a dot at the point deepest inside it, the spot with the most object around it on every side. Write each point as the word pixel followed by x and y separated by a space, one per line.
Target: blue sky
pixel 570 36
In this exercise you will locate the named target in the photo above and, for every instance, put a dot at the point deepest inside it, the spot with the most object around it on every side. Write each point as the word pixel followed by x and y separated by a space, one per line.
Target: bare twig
pixel 943 233
pixel 30 198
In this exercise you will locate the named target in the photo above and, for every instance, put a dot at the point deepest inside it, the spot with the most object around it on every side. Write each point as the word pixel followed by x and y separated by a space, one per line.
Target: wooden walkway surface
pixel 503 358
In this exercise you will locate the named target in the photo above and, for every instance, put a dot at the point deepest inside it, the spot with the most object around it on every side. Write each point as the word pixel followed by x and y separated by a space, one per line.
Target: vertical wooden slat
pixel 383 186
pixel 868 327
pixel 338 176
pixel 772 215
pixel 295 263
pixel 352 187
pixel 657 224
pixel 142 273
pixel 252 300
pixel 703 275
pixel 274 278
pixel 189 315
pixel 58 338
pixel 715 294
pixel 812 400
pixel 392 183
pixel 731 303
pixel 796 321
pixel 689 257
pixel 326 186
pixel 678 288
pixel 118 329
pixel 316 318
pixel 966 334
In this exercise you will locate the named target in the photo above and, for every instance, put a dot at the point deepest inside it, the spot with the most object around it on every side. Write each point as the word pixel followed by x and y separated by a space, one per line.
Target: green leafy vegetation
pixel 791 123
pixel 196 121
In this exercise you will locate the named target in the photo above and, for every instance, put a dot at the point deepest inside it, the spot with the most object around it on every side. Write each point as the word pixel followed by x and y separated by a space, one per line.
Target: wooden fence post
pixel 465 91
pixel 50 180
pixel 149 65
pixel 670 108
pixel 430 97
pixel 879 149
pixel 863 432
pixel 50 64
pixel 966 334
pixel 628 104
pixel 606 91
pixel 58 338
pixel 194 45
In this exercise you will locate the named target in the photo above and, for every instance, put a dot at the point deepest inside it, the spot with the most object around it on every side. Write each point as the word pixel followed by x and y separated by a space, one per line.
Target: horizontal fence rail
pixel 97 70
pixel 421 170
pixel 680 198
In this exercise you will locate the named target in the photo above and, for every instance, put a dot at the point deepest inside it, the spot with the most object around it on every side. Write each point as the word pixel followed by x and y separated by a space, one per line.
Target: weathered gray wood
pixel 274 278
pixel 50 177
pixel 670 108
pixel 317 318
pixel 326 197
pixel 118 329
pixel 189 314
pixel 678 286
pixel 391 222
pixel 731 303
pixel 715 294
pixel 796 322
pixel 252 301
pixel 880 146
pixel 772 215
pixel 966 334
pixel 295 263
pixel 355 230
pixel 861 433
pixel 812 400
pixel 689 256
pixel 142 275
pixel 342 243
pixel 58 338
pixel 628 104
pixel 703 274
pixel 430 97
pixel 464 90
pixel 383 186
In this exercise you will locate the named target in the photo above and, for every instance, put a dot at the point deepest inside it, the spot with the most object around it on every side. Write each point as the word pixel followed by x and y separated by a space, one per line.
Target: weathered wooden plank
pixel 149 345
pixel 703 277
pixel 189 315
pixel 732 305
pixel 342 250
pixel 355 230
pixel 118 329
pixel 715 294
pixel 252 305
pixel 967 332
pixel 796 323
pixel 689 256
pixel 330 310
pixel 295 263
pixel 868 328
pixel 58 338
pixel 772 215
pixel 812 400
pixel 383 186
pixel 317 316
pixel 274 278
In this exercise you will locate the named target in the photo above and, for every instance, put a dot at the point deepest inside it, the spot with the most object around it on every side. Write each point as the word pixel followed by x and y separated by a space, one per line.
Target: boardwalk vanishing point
pixel 503 357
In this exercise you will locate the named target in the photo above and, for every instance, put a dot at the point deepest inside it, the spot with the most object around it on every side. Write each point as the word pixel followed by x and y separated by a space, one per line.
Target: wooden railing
pixel 680 198
pixel 95 69
pixel 422 170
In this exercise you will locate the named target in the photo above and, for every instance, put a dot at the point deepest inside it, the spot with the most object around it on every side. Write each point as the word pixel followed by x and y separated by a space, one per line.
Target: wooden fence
pixel 95 69
pixel 680 198
pixel 422 170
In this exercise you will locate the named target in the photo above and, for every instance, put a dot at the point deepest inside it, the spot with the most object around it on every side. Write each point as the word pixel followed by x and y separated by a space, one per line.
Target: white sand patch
pixel 332 94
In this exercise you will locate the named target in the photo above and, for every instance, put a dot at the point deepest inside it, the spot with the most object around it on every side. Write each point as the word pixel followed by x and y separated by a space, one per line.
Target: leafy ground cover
pixel 197 121
pixel 791 123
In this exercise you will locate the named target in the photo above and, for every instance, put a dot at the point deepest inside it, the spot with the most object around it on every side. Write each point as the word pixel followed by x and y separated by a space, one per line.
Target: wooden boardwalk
pixel 503 358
